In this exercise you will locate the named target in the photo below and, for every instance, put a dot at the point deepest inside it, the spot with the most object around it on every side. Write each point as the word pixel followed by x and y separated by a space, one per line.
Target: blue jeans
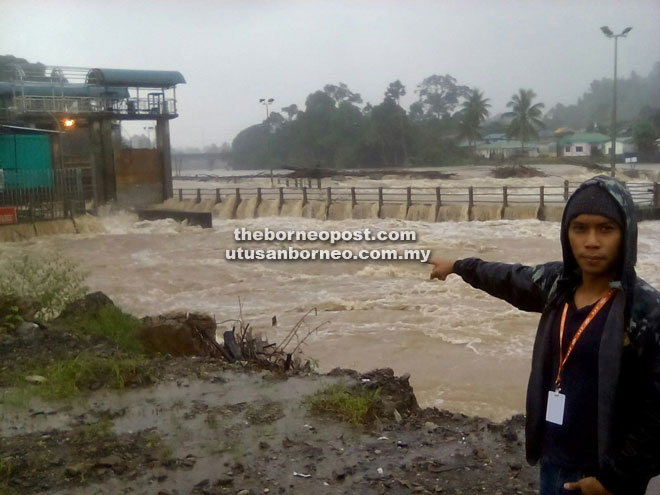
pixel 553 478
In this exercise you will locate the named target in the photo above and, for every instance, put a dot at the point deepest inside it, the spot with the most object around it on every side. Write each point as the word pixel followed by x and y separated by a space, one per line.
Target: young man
pixel 593 398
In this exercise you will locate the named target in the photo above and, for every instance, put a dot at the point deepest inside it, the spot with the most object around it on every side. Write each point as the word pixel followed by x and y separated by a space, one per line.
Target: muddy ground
pixel 201 425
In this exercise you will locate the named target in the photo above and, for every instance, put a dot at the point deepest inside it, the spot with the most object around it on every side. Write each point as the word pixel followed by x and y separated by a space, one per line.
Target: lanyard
pixel 592 314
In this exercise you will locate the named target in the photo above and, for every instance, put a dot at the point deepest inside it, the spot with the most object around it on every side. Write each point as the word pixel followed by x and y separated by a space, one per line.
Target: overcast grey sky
pixel 234 52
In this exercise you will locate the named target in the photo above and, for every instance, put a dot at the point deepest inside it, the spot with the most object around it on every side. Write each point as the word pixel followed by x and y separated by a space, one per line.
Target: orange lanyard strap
pixel 592 314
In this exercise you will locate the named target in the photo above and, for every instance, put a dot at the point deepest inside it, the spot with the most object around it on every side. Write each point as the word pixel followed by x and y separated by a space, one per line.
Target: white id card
pixel 555 411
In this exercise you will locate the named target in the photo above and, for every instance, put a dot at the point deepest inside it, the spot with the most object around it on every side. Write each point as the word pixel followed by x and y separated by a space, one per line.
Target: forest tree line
pixel 336 129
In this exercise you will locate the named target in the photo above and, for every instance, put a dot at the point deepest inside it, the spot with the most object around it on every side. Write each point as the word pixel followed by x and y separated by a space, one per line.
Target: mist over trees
pixel 636 96
pixel 337 130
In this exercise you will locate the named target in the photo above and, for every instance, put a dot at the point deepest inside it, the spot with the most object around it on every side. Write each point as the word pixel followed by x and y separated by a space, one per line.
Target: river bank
pixel 199 424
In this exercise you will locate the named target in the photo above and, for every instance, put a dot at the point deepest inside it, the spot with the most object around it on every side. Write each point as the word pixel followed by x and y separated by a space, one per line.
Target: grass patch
pixel 354 405
pixel 111 323
pixel 67 378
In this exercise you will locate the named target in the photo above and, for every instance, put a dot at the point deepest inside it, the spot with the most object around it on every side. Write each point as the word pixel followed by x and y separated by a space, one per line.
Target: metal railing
pixel 87 104
pixel 643 194
pixel 43 194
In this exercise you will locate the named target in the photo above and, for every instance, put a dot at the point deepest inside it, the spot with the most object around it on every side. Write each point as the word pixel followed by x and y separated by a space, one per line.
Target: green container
pixel 26 161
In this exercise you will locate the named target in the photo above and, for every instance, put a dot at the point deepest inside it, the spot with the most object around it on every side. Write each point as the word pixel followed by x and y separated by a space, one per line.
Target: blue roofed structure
pixel 82 109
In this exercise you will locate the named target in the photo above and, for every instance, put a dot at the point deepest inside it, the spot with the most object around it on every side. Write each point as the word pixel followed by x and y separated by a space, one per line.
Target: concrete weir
pixel 234 207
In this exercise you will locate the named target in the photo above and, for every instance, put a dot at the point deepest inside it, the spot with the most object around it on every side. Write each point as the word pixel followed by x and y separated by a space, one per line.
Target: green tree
pixel 526 117
pixel 416 113
pixel 341 93
pixel 394 92
pixel 291 111
pixel 275 121
pixel 312 130
pixel 346 135
pixel 473 114
pixel 250 148
pixel 644 135
pixel 439 96
pixel 386 133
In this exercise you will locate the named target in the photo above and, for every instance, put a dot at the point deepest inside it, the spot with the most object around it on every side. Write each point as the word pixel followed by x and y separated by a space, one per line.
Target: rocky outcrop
pixel 90 304
pixel 181 334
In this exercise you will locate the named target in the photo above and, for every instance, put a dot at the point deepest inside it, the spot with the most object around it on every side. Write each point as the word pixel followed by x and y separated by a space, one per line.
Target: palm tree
pixel 526 117
pixel 474 112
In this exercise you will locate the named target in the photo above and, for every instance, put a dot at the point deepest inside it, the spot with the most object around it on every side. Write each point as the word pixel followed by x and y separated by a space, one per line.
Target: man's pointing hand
pixel 441 268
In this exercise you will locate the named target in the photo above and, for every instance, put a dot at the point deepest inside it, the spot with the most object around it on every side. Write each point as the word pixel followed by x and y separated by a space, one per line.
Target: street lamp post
pixel 266 102
pixel 608 32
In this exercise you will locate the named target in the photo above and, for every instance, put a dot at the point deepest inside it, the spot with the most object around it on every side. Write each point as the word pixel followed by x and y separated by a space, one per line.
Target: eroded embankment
pixel 204 425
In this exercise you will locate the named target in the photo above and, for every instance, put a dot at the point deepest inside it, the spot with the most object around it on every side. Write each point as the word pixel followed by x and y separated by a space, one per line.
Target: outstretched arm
pixel 525 287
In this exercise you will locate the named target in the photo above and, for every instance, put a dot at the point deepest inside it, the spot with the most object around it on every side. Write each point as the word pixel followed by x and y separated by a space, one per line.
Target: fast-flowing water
pixel 465 350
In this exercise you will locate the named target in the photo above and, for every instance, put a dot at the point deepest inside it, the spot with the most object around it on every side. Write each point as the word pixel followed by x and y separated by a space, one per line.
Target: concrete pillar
pixel 103 161
pixel 109 132
pixel 95 152
pixel 163 145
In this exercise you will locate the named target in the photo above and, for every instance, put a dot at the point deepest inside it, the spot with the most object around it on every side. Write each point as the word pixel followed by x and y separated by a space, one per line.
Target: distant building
pixel 507 149
pixel 624 146
pixel 593 144
pixel 582 144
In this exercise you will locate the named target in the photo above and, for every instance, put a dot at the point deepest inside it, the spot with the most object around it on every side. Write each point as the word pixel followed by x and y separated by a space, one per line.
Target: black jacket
pixel 629 354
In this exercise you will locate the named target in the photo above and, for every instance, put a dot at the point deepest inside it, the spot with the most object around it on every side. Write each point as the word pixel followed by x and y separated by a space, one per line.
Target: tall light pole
pixel 608 32
pixel 266 102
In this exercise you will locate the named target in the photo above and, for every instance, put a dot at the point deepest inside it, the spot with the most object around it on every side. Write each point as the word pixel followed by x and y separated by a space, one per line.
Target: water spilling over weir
pixel 428 204
pixel 232 207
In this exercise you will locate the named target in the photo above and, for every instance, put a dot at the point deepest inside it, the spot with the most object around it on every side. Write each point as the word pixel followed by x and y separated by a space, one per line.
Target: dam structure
pixel 429 204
